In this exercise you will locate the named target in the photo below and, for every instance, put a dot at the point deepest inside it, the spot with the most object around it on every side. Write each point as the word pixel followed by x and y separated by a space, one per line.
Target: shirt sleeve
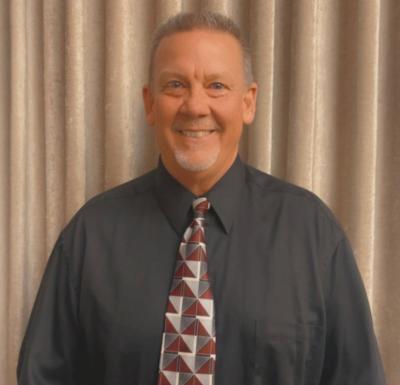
pixel 48 353
pixel 351 354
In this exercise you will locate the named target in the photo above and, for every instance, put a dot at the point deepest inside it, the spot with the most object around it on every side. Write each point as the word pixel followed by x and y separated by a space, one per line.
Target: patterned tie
pixel 188 344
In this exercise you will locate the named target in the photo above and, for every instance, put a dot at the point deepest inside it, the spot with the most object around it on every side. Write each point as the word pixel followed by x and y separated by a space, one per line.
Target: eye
pixel 217 86
pixel 174 87
pixel 174 84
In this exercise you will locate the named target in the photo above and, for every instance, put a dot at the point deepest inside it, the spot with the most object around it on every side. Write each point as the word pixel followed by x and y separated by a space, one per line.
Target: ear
pixel 249 103
pixel 148 104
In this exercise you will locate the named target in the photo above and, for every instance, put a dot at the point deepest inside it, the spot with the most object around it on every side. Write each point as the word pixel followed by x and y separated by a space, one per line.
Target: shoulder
pixel 299 205
pixel 132 189
pixel 103 212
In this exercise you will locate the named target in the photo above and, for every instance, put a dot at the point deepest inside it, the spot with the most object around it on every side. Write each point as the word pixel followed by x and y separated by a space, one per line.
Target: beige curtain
pixel 72 125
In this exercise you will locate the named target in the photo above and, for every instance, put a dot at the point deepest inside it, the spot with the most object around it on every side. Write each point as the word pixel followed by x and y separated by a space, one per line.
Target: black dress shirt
pixel 289 301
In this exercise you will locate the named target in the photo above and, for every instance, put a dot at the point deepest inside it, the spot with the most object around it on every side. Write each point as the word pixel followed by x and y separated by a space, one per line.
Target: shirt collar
pixel 175 200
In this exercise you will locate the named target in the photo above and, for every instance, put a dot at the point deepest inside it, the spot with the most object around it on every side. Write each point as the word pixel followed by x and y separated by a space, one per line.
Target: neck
pixel 198 182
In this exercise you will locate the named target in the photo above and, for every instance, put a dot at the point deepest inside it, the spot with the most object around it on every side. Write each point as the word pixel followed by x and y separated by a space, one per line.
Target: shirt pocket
pixel 284 353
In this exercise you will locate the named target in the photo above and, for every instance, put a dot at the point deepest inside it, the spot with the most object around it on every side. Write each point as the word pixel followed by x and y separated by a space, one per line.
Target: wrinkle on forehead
pixel 197 74
pixel 199 54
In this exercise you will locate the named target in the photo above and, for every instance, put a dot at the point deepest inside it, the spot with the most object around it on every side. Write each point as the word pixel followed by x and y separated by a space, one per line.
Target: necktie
pixel 188 344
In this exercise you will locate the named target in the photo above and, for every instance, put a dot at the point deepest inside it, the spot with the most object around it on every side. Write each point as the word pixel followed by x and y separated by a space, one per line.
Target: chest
pixel 267 293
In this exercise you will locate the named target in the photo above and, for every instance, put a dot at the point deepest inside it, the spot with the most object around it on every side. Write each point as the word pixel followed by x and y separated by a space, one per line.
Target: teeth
pixel 195 134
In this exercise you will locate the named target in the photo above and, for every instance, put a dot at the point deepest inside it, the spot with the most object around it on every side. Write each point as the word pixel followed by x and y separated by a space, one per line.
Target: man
pixel 261 288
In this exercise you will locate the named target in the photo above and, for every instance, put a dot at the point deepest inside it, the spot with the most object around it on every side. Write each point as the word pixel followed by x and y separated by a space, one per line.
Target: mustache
pixel 196 125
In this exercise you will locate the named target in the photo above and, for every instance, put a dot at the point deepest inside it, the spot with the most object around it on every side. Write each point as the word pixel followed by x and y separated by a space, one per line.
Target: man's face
pixel 198 101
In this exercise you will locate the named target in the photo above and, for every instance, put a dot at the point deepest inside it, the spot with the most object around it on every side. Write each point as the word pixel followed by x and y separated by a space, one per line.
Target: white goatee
pixel 183 158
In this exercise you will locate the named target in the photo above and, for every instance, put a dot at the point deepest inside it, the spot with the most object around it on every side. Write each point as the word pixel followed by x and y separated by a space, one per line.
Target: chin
pixel 195 164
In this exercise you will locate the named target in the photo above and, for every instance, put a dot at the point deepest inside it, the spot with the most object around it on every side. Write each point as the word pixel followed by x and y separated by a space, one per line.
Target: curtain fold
pixel 262 40
pixel 72 124
pixel 4 182
pixel 53 26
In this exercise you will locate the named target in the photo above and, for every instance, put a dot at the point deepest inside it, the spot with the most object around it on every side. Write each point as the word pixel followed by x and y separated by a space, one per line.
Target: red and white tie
pixel 188 344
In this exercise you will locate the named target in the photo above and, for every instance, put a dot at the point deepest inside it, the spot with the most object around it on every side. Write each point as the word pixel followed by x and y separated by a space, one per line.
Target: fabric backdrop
pixel 72 125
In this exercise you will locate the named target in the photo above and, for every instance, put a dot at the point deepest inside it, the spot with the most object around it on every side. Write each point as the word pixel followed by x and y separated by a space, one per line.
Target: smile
pixel 196 134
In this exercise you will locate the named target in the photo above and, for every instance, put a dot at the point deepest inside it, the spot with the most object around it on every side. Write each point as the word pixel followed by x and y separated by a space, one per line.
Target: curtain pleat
pixel 53 23
pixel 17 269
pixel 94 73
pixel 386 255
pixel 5 72
pixel 262 39
pixel 126 69
pixel 75 103
pixel 72 124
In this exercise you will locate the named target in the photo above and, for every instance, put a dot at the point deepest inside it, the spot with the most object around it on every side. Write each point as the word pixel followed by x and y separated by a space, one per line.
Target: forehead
pixel 199 48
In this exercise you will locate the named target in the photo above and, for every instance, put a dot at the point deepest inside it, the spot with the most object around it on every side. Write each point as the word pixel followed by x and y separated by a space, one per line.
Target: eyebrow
pixel 166 73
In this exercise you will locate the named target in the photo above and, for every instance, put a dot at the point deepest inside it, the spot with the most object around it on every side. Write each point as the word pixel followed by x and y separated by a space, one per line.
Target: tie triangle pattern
pixel 188 345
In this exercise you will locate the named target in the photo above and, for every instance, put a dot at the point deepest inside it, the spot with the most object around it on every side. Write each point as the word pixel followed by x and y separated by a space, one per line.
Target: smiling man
pixel 197 101
pixel 205 270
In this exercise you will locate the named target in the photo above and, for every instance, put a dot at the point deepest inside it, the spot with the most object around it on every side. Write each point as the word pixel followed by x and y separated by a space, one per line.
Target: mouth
pixel 195 133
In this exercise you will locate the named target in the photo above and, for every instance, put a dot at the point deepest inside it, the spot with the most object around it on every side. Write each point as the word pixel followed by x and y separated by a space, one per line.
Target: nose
pixel 195 103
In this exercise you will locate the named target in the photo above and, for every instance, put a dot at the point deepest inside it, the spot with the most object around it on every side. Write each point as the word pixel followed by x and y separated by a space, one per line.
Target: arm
pixel 351 354
pixel 49 350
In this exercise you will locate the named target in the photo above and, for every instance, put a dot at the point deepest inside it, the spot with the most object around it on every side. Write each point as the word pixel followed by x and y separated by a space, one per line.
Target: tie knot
pixel 200 206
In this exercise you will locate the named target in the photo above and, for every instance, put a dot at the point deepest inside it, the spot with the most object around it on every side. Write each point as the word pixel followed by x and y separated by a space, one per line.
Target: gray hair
pixel 183 22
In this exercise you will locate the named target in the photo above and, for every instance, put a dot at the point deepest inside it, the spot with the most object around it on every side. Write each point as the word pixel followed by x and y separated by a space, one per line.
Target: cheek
pixel 165 111
pixel 229 115
pixel 230 107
